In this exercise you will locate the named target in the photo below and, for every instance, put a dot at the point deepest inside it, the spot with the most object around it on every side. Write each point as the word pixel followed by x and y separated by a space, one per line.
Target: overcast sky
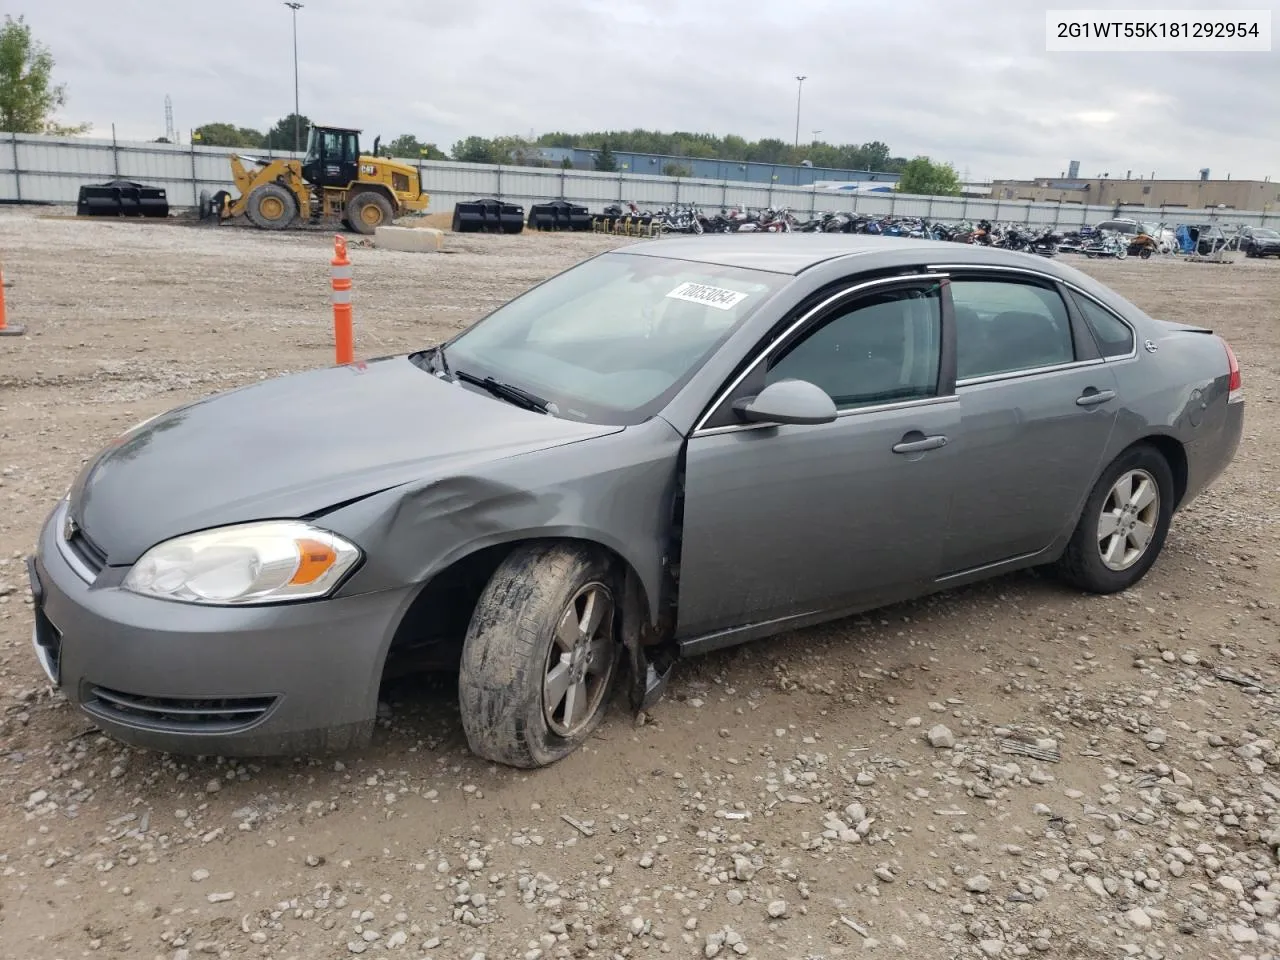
pixel 966 81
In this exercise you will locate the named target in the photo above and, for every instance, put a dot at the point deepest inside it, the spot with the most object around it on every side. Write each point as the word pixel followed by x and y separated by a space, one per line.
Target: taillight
pixel 1235 383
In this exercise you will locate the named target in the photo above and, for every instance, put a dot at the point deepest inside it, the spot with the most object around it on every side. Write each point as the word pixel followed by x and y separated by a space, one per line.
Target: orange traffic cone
pixel 5 329
pixel 340 281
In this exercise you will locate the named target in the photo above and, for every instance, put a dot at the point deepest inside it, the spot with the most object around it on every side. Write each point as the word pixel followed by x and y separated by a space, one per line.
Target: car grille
pixel 186 714
pixel 86 551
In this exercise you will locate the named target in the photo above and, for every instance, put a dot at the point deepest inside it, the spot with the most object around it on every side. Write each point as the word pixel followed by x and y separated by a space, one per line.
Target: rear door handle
pixel 918 446
pixel 1092 397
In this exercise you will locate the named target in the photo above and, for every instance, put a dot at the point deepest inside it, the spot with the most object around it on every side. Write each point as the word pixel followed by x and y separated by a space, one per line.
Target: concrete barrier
pixel 409 239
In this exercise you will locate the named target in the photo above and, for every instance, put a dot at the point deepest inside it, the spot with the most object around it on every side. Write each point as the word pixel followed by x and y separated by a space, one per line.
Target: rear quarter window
pixel 1114 336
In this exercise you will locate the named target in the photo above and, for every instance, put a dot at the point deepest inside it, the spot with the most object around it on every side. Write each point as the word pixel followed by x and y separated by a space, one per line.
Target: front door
pixel 785 520
pixel 1038 410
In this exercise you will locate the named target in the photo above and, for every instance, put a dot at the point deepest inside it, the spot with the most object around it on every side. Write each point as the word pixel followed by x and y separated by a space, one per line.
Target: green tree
pixel 925 178
pixel 28 96
pixel 676 170
pixel 281 136
pixel 769 150
pixel 408 146
pixel 519 151
pixel 605 161
pixel 229 135
pixel 875 155
pixel 474 150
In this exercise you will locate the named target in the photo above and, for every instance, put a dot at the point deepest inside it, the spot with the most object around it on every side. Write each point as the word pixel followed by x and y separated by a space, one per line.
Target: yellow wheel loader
pixel 333 181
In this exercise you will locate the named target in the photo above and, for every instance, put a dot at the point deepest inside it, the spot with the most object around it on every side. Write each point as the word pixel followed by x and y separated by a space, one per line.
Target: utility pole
pixel 815 135
pixel 799 88
pixel 297 121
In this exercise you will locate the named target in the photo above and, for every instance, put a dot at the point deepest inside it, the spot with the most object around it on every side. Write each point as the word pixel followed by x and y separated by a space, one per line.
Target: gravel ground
pixel 1007 770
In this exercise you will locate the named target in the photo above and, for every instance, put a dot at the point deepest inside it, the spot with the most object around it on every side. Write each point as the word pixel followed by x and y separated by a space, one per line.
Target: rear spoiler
pixel 1185 327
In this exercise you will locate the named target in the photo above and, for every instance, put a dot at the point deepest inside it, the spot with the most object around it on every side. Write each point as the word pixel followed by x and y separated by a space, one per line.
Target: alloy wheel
pixel 1127 524
pixel 580 661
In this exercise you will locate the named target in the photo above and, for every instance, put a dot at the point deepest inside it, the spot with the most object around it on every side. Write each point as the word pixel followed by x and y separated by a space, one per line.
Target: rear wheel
pixel 540 655
pixel 271 207
pixel 1124 524
pixel 368 210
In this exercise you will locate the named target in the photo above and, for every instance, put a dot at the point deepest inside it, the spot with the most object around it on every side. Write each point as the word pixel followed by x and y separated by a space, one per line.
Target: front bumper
pixel 229 681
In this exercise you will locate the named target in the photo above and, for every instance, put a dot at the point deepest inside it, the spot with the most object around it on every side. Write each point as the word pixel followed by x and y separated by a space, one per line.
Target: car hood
pixel 294 446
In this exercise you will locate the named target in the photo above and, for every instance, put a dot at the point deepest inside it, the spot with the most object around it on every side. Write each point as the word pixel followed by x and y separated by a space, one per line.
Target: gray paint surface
pixel 781 525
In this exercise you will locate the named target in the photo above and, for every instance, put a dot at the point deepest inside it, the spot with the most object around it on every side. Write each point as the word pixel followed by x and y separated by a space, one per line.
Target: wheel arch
pixel 1168 446
pixel 445 598
pixel 360 186
pixel 1175 454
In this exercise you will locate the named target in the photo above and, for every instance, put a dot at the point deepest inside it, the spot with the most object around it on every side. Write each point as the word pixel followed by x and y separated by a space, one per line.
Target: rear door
pixel 1038 406
pixel 785 520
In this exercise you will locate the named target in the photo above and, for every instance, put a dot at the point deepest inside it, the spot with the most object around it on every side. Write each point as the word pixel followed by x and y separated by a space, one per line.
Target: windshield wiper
pixel 507 391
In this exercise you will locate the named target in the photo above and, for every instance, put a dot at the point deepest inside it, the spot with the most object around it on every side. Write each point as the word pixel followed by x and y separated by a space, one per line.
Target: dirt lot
pixel 790 799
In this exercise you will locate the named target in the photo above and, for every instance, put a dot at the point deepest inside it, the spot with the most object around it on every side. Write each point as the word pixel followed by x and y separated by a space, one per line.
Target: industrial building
pixel 1199 194
pixel 779 174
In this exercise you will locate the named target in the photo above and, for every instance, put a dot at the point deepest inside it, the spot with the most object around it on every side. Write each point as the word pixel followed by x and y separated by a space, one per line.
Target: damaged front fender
pixel 615 490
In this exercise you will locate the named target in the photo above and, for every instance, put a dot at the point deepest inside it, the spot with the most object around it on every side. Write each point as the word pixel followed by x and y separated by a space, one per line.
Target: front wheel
pixel 1124 524
pixel 367 211
pixel 540 655
pixel 271 207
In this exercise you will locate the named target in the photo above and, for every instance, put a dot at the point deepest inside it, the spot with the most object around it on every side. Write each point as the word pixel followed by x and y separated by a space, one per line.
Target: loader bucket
pixel 559 215
pixel 121 198
pixel 487 216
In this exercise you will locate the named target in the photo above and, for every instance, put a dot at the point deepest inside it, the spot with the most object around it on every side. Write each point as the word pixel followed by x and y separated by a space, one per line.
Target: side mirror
pixel 787 401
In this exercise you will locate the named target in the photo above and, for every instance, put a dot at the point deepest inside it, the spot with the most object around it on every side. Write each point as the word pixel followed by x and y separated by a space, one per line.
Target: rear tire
pixel 368 210
pixel 271 207
pixel 540 655
pixel 1112 547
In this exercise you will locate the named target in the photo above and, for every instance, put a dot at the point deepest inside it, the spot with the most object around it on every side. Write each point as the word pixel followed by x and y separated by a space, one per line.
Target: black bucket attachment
pixel 558 215
pixel 121 198
pixel 487 216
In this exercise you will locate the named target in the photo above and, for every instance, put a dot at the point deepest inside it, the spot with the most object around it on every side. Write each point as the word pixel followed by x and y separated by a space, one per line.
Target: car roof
pixel 790 253
pixel 794 253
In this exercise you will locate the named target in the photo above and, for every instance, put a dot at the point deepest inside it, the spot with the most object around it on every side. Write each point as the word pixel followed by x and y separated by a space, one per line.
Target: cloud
pixel 965 81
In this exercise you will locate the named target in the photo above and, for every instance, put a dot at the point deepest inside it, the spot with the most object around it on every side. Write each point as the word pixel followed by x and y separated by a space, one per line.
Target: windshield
pixel 1119 226
pixel 612 339
pixel 313 146
pixel 1266 234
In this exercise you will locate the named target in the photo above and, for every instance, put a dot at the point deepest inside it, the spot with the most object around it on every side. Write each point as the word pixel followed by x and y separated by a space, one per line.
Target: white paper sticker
pixel 717 297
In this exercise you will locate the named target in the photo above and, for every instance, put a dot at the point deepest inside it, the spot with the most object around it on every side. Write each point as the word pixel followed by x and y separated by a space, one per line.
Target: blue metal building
pixel 782 174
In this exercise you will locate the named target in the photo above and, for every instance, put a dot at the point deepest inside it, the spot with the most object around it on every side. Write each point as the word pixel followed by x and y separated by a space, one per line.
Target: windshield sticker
pixel 717 297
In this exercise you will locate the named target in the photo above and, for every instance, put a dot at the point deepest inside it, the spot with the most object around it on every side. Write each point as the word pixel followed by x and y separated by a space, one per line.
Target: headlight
pixel 269 562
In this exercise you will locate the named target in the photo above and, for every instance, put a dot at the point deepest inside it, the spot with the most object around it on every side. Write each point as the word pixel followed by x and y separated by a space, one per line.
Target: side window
pixel 1115 338
pixel 883 348
pixel 1008 326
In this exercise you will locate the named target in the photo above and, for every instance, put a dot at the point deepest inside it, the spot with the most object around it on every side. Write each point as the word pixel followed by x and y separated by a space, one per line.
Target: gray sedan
pixel 670 448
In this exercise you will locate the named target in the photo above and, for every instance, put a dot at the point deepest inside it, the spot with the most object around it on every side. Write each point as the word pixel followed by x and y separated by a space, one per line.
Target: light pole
pixel 297 121
pixel 815 135
pixel 799 88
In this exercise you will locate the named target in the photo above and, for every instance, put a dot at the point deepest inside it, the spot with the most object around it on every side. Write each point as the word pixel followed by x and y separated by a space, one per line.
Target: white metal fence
pixel 42 169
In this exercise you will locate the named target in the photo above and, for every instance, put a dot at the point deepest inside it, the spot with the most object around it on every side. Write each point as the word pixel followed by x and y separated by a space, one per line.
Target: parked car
pixel 1135 230
pixel 1259 242
pixel 670 448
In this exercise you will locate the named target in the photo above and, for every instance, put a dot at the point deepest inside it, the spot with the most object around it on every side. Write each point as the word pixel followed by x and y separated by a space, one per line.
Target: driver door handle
pixel 919 445
pixel 1092 397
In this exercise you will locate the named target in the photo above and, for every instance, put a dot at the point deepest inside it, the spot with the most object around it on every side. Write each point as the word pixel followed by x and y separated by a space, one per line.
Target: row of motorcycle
pixel 1045 241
